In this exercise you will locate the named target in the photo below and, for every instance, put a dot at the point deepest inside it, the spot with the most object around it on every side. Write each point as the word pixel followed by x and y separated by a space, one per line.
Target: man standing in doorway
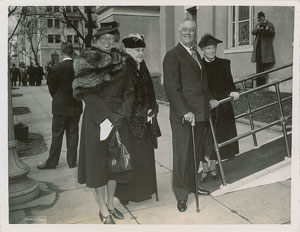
pixel 187 91
pixel 263 53
pixel 66 110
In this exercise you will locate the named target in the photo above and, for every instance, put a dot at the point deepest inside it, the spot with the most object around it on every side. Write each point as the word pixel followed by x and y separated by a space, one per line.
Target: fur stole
pixel 94 69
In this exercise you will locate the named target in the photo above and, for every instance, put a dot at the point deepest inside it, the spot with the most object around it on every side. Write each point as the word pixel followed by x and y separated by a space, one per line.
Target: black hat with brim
pixel 260 14
pixel 107 28
pixel 208 40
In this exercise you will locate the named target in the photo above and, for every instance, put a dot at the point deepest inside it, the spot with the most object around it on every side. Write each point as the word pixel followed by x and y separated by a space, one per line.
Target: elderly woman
pixel 143 125
pixel 220 85
pixel 101 81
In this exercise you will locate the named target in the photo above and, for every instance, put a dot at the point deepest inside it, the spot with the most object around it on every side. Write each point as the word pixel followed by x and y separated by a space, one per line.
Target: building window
pixel 68 9
pixel 75 9
pixel 50 39
pixel 49 8
pixel 76 39
pixel 76 23
pixel 240 25
pixel 50 23
pixel 69 38
pixel 57 39
pixel 57 23
pixel 56 9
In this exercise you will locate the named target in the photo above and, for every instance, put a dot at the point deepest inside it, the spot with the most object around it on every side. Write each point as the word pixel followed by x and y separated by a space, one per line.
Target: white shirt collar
pixel 208 61
pixel 187 48
pixel 67 58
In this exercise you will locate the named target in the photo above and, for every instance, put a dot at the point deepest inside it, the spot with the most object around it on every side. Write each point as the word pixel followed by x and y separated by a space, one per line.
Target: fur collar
pixel 94 68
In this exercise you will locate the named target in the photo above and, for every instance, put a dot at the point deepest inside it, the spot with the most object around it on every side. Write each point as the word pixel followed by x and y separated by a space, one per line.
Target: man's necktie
pixel 194 55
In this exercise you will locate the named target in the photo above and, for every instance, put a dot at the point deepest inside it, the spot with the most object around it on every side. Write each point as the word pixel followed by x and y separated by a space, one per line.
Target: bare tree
pixel 87 21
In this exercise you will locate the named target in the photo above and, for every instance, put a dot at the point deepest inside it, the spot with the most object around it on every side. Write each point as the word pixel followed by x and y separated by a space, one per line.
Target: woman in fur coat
pixel 101 81
pixel 143 126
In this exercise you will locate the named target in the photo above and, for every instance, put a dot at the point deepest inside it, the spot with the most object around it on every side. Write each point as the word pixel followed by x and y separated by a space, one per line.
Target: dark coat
pixel 60 87
pixel 143 136
pixel 265 38
pixel 220 84
pixel 185 85
pixel 39 73
pixel 15 73
pixel 144 100
pixel 101 101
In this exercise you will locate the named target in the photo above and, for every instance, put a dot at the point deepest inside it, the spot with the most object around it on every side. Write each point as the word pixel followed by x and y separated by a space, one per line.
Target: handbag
pixel 118 158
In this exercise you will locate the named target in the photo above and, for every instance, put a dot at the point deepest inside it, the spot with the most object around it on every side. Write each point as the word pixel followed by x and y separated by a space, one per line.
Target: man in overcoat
pixel 187 91
pixel 263 52
pixel 66 110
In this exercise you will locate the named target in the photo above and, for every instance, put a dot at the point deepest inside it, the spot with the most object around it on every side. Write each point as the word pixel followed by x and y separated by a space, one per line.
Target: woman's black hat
pixel 107 28
pixel 207 40
pixel 134 40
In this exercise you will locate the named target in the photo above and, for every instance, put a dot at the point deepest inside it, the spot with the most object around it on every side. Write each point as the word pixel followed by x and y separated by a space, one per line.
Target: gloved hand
pixel 116 120
pixel 235 95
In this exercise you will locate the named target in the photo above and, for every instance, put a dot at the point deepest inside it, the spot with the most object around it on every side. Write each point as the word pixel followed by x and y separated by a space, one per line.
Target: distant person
pixel 66 110
pixel 15 73
pixel 31 74
pixel 186 88
pixel 220 85
pixel 263 53
pixel 23 75
pixel 47 70
pixel 39 73
pixel 143 132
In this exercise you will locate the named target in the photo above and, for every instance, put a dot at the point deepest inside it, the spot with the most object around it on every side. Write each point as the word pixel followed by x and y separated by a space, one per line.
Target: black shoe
pixel 204 176
pixel 115 213
pixel 203 191
pixel 106 220
pixel 181 206
pixel 214 175
pixel 46 166
pixel 124 202
pixel 73 166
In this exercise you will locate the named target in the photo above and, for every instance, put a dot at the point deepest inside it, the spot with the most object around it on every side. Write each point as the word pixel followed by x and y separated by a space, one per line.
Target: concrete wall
pixel 143 21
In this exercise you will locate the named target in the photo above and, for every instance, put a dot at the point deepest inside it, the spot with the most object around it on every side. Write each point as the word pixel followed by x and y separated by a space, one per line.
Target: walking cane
pixel 196 171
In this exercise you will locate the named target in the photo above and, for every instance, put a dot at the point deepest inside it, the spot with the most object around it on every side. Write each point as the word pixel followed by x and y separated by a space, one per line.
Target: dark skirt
pixel 224 124
pixel 143 182
pixel 92 164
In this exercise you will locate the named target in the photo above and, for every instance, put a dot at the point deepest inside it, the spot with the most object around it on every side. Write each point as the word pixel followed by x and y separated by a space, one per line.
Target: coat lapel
pixel 190 59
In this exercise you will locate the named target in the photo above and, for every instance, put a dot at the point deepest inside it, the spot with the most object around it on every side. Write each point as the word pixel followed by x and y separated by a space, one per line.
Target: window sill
pixel 240 49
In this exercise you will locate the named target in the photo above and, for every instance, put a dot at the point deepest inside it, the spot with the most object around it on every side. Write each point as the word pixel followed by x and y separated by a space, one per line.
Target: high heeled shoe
pixel 214 174
pixel 106 220
pixel 204 176
pixel 115 213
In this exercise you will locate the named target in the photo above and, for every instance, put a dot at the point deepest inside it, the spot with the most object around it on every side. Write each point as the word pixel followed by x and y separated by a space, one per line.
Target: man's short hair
pixel 187 19
pixel 67 48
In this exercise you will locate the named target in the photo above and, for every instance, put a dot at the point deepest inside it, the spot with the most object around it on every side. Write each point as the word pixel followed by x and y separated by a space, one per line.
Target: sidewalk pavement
pixel 63 201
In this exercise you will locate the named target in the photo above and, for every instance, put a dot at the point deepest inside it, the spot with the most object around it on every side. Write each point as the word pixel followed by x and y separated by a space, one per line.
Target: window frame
pixel 236 47
pixel 68 38
pixel 55 21
pixel 50 37
pixel 50 25
pixel 57 38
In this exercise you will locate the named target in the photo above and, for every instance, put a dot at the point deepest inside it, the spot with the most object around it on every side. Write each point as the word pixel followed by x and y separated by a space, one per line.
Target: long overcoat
pixel 220 84
pixel 92 68
pixel 266 41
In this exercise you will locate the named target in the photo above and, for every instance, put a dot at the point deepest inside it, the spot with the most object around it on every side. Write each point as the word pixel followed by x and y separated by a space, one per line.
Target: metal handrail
pixel 254 76
pixel 283 119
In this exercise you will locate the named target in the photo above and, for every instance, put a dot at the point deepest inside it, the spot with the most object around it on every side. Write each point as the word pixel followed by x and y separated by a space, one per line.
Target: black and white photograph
pixel 150 116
